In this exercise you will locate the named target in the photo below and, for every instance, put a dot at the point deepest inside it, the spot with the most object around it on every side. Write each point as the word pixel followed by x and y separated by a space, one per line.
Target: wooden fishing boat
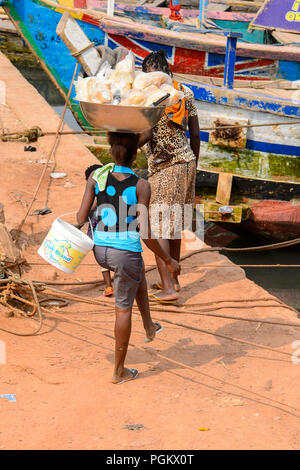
pixel 188 50
pixel 264 161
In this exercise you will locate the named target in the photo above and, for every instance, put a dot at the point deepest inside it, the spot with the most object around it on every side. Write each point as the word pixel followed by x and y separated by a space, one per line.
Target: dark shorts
pixel 128 269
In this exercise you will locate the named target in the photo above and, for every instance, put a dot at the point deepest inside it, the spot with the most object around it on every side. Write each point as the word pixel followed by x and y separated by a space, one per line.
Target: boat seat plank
pixel 224 188
pixel 158 3
pixel 291 95
pixel 212 6
pixel 239 83
pixel 286 38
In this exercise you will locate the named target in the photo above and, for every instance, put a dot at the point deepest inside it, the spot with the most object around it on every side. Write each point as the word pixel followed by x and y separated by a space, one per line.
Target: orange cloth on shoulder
pixel 178 112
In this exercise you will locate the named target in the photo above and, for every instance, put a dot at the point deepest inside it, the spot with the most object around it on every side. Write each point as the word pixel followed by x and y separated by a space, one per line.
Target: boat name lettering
pixel 294 15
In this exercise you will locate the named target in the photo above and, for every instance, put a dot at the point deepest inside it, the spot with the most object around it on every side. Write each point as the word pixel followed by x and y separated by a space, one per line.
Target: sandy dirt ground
pixel 195 390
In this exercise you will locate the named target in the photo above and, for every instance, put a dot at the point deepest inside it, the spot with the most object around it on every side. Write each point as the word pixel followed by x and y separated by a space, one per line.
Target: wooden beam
pixel 241 3
pixel 224 188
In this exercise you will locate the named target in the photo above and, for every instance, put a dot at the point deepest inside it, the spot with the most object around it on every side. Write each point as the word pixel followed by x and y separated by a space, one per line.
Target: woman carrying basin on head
pixel 172 163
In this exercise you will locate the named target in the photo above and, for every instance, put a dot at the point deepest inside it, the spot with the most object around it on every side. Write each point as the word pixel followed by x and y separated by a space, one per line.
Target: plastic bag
pixel 154 96
pixel 92 90
pixel 126 65
pixel 175 95
pixel 121 79
pixel 135 98
pixel 143 80
pixel 104 72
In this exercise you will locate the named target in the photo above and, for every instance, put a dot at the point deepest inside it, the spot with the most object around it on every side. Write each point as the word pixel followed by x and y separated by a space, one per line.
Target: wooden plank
pixel 158 3
pixel 217 7
pixel 241 3
pixel 238 83
pixel 8 250
pixel 286 38
pixel 211 213
pixel 224 188
pixel 76 40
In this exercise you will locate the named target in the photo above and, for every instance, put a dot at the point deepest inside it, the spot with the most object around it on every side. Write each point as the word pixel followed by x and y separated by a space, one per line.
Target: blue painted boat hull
pixel 37 24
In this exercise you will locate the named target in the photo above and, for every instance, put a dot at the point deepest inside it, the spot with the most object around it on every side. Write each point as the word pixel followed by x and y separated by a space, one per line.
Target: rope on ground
pixel 56 283
pixel 158 355
pixel 272 246
pixel 185 366
pixel 231 317
pixel 48 157
pixel 40 317
pixel 279 303
pixel 42 288
pixel 249 343
pixel 245 266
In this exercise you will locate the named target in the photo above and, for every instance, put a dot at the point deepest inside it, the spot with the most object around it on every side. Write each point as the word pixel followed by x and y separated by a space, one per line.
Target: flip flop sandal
pixel 160 301
pixel 156 286
pixel 134 372
pixel 160 328
pixel 108 291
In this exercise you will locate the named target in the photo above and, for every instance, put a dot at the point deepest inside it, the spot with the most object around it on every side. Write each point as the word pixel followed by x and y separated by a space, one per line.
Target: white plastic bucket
pixel 65 246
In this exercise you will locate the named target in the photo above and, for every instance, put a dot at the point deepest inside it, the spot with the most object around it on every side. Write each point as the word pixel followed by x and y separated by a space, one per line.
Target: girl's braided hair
pixel 123 146
pixel 158 61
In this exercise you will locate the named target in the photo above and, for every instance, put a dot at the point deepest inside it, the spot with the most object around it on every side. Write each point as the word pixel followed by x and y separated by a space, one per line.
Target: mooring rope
pixel 48 157
pixel 11 136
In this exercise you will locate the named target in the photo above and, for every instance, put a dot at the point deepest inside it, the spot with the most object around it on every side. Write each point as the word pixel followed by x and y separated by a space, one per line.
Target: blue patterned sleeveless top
pixel 116 213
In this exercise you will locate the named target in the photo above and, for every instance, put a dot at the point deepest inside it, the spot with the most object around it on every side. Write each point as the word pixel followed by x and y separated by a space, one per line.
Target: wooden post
pixel 110 7
pixel 224 188
pixel 2 216
pixel 8 250
pixel 230 58
pixel 202 13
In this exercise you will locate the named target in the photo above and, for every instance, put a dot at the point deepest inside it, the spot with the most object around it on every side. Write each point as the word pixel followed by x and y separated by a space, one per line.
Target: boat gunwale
pixel 185 12
pixel 190 40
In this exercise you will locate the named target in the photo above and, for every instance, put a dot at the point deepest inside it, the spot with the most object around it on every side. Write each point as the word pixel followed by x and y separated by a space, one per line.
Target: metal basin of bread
pixel 118 118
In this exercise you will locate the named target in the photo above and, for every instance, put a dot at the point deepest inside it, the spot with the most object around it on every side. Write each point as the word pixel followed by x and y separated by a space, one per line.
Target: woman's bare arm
pixel 87 201
pixel 194 130
pixel 144 137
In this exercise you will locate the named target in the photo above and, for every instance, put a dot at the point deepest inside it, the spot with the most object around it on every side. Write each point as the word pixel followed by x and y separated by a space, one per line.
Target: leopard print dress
pixel 172 174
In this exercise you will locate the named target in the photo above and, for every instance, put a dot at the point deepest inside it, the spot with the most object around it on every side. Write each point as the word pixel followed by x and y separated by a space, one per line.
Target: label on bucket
pixel 60 252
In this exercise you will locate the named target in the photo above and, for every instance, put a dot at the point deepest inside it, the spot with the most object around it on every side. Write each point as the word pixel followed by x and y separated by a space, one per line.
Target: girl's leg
pixel 122 335
pixel 142 301
pixel 107 278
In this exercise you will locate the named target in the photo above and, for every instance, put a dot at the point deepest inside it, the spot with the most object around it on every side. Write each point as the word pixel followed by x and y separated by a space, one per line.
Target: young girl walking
pixel 109 290
pixel 122 220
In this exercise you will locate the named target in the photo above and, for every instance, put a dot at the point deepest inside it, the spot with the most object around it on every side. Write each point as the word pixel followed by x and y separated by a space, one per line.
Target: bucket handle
pixel 92 231
pixel 74 212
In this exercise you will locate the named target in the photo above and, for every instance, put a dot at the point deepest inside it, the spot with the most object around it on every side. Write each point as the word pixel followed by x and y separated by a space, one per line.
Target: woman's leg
pixel 175 246
pixel 168 291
